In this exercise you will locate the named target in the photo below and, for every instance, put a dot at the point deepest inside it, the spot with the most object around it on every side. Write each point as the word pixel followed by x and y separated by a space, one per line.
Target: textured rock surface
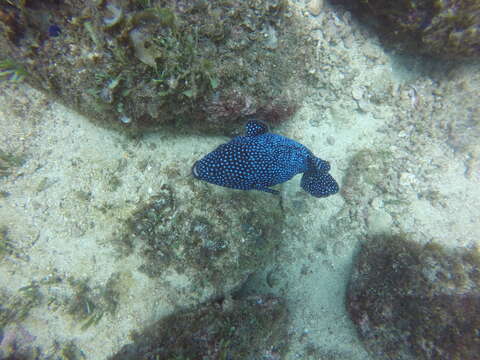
pixel 253 328
pixel 448 29
pixel 213 241
pixel 147 63
pixel 416 302
pixel 315 7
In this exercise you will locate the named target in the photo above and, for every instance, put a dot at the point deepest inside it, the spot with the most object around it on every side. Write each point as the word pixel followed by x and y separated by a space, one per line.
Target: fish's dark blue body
pixel 260 159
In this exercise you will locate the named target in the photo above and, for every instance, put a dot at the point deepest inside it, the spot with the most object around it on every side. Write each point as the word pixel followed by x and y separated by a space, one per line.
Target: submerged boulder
pixel 410 301
pixel 446 29
pixel 252 328
pixel 143 64
pixel 208 241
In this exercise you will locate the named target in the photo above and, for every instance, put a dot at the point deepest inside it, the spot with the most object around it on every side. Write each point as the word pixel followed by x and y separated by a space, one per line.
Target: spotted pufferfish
pixel 260 159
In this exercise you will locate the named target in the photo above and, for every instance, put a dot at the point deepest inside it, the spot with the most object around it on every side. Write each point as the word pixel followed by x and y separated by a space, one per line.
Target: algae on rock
pixel 445 29
pixel 214 240
pixel 251 328
pixel 410 301
pixel 147 63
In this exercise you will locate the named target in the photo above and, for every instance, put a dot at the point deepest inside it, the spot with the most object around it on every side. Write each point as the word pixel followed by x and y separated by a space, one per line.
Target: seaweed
pixel 403 295
pixel 11 71
pixel 153 63
pixel 15 307
pixel 8 161
pixel 89 305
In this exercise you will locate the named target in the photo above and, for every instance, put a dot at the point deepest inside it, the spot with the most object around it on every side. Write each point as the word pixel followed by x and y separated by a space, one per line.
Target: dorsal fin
pixel 255 127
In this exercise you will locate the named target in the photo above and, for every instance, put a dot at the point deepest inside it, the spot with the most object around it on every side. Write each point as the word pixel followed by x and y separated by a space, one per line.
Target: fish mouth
pixel 194 170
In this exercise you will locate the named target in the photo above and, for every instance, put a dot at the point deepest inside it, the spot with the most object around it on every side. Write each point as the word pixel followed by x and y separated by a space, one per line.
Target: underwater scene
pixel 223 180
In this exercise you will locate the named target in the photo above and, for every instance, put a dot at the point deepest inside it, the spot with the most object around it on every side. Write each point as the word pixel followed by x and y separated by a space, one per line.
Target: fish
pixel 260 159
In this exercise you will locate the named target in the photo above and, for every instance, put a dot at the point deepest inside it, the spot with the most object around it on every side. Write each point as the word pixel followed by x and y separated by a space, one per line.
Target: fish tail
pixel 316 180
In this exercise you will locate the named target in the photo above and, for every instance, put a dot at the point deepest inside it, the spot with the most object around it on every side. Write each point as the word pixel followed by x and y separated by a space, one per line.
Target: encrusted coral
pixel 410 301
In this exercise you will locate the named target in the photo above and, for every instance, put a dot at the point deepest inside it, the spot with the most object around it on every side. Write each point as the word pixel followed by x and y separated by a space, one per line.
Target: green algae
pixel 15 307
pixel 215 241
pixel 11 71
pixel 6 245
pixel 204 64
pixel 88 305
pixel 9 161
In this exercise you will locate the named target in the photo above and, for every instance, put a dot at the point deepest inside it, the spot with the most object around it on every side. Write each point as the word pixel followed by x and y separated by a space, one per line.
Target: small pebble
pixel 357 93
pixel 125 119
pixel 364 105
pixel 379 222
pixel 314 7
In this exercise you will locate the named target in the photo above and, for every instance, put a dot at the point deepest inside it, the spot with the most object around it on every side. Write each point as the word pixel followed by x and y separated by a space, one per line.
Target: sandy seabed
pixel 77 182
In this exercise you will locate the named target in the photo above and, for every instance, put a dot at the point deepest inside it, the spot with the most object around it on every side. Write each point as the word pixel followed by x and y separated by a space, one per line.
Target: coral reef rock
pixel 446 29
pixel 252 328
pixel 143 64
pixel 410 301
pixel 212 239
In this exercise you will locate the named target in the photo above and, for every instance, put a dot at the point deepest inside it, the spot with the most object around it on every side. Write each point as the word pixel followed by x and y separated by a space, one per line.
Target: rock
pixel 410 301
pixel 166 72
pixel 252 328
pixel 206 241
pixel 314 7
pixel 271 41
pixel 357 93
pixel 445 29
